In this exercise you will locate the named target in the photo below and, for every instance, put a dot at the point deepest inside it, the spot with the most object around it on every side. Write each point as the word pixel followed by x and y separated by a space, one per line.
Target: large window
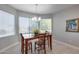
pixel 45 25
pixel 24 25
pixel 33 25
pixel 27 25
pixel 6 24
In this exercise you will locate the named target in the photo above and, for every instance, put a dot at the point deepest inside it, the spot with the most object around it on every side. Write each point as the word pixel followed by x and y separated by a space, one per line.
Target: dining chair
pixel 23 45
pixel 40 44
pixel 46 37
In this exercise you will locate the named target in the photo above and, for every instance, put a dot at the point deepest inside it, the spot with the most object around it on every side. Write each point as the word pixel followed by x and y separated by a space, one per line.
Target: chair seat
pixel 40 42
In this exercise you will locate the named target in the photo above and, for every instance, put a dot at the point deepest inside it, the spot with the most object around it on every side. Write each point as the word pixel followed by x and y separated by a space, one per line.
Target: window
pixel 27 25
pixel 24 25
pixel 45 25
pixel 6 24
pixel 33 25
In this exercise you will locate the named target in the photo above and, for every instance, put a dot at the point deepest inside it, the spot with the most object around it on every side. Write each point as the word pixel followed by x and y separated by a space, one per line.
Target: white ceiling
pixel 41 8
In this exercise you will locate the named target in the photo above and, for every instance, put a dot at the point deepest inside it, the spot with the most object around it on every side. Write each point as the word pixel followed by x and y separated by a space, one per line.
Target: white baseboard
pixel 66 44
pixel 10 46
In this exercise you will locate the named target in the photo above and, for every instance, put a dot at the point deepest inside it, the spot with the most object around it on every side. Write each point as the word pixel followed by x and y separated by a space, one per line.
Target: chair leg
pixel 38 51
pixel 22 51
pixel 31 47
pixel 35 47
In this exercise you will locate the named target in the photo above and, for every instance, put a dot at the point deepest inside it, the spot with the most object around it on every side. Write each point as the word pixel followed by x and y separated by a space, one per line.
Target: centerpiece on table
pixel 36 32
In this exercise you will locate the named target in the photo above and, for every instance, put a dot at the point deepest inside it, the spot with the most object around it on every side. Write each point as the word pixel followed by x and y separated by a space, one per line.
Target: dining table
pixel 30 37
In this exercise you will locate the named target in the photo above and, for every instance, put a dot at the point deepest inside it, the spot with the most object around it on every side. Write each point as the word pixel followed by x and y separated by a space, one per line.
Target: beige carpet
pixel 58 48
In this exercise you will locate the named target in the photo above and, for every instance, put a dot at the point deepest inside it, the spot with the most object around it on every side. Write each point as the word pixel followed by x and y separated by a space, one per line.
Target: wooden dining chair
pixel 23 45
pixel 46 37
pixel 40 44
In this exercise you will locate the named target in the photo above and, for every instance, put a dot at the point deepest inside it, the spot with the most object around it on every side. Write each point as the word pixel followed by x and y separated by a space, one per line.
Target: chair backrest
pixel 22 43
pixel 41 38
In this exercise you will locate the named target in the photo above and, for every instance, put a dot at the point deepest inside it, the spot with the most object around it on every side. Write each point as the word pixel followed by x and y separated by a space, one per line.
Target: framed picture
pixel 72 25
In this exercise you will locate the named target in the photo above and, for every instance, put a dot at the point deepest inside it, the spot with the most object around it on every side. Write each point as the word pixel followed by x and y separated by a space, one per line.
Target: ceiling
pixel 41 8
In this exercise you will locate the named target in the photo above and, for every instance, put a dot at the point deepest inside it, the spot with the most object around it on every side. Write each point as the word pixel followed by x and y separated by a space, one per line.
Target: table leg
pixel 48 38
pixel 51 42
pixel 26 46
pixel 44 46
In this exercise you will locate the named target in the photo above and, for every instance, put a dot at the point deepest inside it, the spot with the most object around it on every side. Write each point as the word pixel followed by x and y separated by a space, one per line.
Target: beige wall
pixel 59 25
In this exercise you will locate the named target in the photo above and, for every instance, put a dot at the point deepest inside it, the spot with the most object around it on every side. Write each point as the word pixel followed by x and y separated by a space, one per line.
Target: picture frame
pixel 72 25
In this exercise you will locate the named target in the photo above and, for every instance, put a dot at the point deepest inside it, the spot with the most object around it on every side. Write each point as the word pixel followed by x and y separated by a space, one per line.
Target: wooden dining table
pixel 32 37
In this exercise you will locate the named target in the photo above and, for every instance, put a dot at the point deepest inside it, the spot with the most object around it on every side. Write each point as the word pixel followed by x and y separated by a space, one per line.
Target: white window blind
pixel 23 25
pixel 6 24
pixel 27 25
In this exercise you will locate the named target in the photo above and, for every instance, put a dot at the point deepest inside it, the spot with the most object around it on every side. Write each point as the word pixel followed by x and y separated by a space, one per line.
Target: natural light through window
pixel 45 25
pixel 6 24
pixel 27 25
pixel 23 25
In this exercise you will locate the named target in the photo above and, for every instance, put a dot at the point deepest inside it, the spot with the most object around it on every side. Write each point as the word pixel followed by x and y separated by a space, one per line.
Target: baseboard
pixel 10 46
pixel 69 45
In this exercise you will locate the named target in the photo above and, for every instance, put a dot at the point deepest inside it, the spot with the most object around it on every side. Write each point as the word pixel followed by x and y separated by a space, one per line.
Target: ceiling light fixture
pixel 36 18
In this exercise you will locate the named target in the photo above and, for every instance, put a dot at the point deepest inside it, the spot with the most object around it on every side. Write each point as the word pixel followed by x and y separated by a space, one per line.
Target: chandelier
pixel 36 18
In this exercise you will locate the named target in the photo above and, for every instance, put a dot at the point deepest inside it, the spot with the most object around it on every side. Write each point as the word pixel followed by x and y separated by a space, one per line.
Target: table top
pixel 31 36
pixel 28 35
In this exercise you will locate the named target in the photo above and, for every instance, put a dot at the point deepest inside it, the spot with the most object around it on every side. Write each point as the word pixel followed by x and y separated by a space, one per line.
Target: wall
pixel 59 25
